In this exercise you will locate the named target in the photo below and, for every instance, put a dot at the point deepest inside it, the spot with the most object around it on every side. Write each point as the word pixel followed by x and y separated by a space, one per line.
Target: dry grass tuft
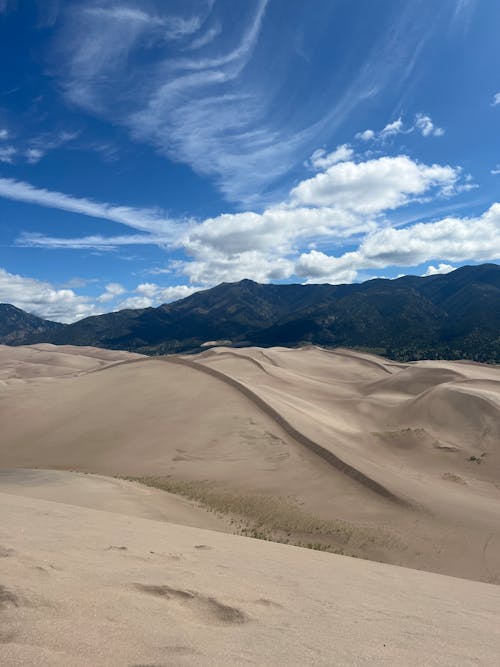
pixel 268 517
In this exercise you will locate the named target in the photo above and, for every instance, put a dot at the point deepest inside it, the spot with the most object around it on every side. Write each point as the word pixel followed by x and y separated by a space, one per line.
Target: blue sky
pixel 150 148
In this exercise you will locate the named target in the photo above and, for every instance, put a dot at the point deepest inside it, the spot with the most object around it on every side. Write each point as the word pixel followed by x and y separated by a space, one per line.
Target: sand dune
pixel 344 450
pixel 85 587
pixel 113 495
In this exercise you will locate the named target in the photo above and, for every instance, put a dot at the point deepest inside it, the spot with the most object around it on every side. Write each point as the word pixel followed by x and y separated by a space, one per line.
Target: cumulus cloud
pixel 347 201
pixel 396 127
pixel 320 159
pixel 440 268
pixel 317 267
pixel 496 100
pixel 453 239
pixel 4 134
pixel 258 245
pixel 160 294
pixel 423 123
pixel 135 302
pixel 496 170
pixel 43 299
pixel 148 295
pixel 111 291
pixel 375 185
pixel 426 126
pixel 65 305
pixel 211 268
pixel 367 135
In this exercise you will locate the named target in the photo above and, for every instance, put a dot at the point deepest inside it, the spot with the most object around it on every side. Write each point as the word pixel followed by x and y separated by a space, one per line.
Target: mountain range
pixel 455 315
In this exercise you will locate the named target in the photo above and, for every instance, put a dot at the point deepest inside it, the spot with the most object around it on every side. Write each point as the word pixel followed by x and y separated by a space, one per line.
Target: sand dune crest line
pixel 299 437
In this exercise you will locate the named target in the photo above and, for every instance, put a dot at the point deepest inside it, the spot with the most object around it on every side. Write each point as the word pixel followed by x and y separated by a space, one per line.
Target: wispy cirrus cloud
pixel 92 242
pixel 144 219
pixel 195 96
pixel 31 149
pixel 7 154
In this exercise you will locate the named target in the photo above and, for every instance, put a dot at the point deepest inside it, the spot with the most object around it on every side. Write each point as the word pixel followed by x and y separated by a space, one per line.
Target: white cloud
pixel 160 294
pixel 145 219
pixel 32 150
pixel 346 201
pixel 251 245
pixel 34 155
pixel 135 302
pixel 424 123
pixel 496 100
pixel 320 159
pixel 205 38
pixel 454 239
pixel 205 106
pixel 151 295
pixel 451 239
pixel 64 305
pixel 185 106
pixel 367 135
pixel 7 154
pixel 396 127
pixel 373 186
pixel 318 267
pixel 43 299
pixel 77 282
pixel 463 14
pixel 94 242
pixel 277 228
pixel 111 291
pixel 212 268
pixel 441 268
pixel 496 170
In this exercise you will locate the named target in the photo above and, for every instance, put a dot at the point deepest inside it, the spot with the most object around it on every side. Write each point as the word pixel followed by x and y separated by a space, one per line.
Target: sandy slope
pixel 383 447
pixel 83 587
pixel 113 495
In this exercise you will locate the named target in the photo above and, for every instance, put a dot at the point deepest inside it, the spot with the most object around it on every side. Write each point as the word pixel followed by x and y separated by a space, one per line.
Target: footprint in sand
pixel 6 552
pixel 8 598
pixel 208 609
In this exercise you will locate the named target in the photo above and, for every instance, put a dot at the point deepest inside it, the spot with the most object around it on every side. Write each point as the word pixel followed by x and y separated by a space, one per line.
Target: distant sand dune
pixel 406 455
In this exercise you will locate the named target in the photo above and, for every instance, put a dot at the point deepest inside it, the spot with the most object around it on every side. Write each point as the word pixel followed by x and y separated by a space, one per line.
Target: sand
pixel 338 450
pixel 83 587
pixel 343 450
